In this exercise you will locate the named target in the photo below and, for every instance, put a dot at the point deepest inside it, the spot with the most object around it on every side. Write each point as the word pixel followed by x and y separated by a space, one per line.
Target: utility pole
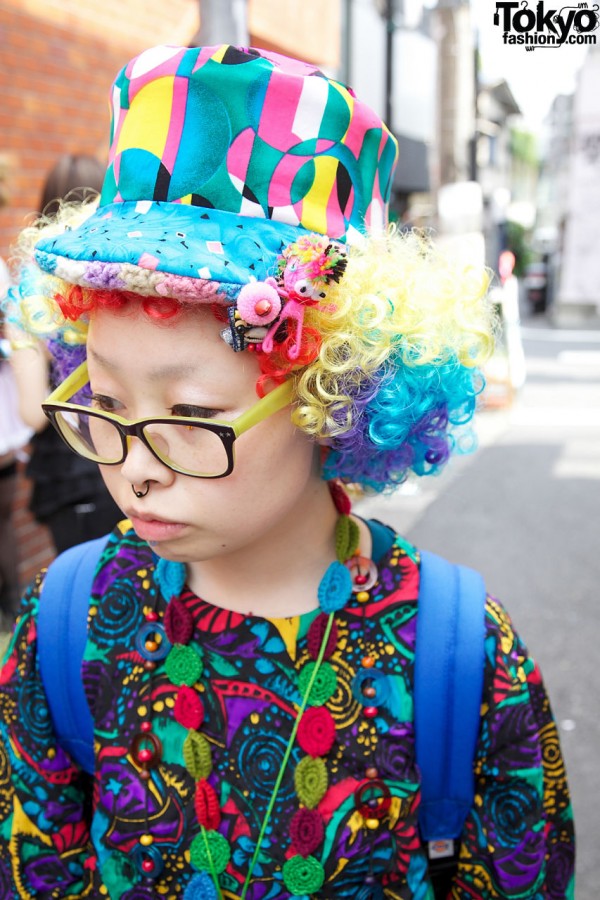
pixel 347 43
pixel 222 22
pixel 474 173
pixel 389 61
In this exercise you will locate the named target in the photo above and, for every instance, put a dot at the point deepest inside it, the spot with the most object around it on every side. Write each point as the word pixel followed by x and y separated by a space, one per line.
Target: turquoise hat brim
pixel 166 249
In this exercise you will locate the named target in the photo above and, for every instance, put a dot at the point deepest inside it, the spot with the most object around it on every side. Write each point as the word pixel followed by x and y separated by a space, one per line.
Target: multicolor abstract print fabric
pixel 219 157
pixel 61 838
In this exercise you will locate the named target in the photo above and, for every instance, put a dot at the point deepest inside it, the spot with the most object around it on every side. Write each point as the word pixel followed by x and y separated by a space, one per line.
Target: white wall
pixel 415 80
pixel 367 68
pixel 580 281
pixel 414 73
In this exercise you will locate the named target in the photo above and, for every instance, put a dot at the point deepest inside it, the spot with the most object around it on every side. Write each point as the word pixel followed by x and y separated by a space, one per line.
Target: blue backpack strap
pixel 382 538
pixel 449 666
pixel 62 636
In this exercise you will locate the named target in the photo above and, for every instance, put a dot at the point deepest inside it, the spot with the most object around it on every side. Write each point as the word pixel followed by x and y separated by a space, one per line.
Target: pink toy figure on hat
pixel 306 268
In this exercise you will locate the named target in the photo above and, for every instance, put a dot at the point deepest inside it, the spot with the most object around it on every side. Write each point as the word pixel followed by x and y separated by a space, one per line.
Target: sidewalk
pixel 525 510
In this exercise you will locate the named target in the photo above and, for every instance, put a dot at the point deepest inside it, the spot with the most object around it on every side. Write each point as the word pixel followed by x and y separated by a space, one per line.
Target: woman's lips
pixel 150 529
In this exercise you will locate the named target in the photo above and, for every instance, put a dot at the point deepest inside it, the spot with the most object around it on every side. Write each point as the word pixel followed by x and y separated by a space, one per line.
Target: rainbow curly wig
pixel 388 370
pixel 257 186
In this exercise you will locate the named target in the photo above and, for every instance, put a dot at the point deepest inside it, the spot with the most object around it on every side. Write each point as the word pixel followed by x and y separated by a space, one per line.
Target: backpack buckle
pixel 441 848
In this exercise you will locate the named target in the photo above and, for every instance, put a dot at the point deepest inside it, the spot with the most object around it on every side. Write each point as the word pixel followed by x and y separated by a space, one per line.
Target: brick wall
pixel 34 544
pixel 57 61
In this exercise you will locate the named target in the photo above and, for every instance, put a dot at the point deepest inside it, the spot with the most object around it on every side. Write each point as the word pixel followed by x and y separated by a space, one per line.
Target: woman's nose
pixel 141 465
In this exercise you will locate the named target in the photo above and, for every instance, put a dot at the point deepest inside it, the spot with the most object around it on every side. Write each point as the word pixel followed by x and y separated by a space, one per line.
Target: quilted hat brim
pixel 166 249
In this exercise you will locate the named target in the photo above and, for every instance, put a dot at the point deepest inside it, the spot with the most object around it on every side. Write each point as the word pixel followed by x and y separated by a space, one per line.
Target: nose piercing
pixel 141 493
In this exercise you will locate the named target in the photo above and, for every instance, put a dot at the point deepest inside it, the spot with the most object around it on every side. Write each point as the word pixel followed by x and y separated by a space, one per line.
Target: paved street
pixel 525 510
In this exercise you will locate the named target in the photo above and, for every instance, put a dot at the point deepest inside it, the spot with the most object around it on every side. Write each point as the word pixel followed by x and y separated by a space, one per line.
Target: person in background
pixel 68 493
pixel 14 434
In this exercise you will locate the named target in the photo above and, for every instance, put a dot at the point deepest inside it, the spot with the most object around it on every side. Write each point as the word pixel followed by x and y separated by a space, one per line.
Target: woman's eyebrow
pixel 170 370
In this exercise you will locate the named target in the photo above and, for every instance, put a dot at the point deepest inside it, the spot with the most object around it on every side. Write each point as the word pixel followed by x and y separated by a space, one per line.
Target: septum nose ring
pixel 141 493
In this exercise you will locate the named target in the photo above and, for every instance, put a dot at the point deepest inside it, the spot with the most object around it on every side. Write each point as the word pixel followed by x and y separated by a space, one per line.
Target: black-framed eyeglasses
pixel 200 448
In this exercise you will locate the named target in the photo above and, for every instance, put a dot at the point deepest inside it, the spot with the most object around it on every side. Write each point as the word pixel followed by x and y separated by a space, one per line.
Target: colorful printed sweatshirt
pixel 127 831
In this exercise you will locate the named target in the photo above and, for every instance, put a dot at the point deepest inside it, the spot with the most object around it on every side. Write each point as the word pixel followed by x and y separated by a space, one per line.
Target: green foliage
pixel 517 239
pixel 523 146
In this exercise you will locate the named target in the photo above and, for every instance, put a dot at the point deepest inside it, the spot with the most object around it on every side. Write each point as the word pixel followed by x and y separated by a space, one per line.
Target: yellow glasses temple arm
pixel 70 385
pixel 277 399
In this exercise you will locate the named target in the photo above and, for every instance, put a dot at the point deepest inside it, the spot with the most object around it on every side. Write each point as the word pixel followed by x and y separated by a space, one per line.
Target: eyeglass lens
pixel 190 447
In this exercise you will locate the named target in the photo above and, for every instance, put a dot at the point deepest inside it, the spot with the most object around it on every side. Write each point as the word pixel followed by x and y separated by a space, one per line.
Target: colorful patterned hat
pixel 219 158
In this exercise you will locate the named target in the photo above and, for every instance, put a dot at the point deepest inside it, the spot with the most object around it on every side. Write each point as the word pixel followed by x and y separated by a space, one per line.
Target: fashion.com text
pixel 547 39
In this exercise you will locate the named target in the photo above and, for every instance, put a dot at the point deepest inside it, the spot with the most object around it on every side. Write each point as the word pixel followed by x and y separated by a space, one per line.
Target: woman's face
pixel 142 368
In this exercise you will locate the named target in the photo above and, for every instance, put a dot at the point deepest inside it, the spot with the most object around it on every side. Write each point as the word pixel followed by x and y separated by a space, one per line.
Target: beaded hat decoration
pixel 236 176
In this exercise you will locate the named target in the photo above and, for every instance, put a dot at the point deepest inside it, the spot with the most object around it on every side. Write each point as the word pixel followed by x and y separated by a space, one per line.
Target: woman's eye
pixel 186 410
pixel 104 403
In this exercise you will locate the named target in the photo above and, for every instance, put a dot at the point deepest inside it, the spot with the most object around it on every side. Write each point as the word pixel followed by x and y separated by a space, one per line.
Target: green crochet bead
pixel 347 538
pixel 197 756
pixel 183 665
pixel 303 875
pixel 324 685
pixel 310 781
pixel 209 848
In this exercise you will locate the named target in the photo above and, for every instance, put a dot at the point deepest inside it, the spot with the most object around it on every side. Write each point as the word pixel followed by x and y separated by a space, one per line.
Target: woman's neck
pixel 277 574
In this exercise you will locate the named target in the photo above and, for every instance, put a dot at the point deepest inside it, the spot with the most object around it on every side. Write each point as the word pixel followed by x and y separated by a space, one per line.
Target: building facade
pixel 578 297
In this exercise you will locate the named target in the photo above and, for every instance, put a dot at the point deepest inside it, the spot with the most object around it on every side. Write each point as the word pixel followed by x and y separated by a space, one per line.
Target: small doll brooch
pixel 267 312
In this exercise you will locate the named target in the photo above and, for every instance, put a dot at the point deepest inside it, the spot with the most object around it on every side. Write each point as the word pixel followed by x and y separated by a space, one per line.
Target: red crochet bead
pixel 152 616
pixel 316 731
pixel 315 636
pixel 207 806
pixel 340 498
pixel 179 622
pixel 188 710
pixel 306 831
pixel 146 749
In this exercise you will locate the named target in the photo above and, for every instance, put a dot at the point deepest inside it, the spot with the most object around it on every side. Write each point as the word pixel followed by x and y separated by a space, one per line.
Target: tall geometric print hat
pixel 221 157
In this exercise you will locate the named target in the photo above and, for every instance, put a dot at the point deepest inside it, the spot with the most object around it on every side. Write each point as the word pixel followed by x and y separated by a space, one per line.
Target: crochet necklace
pixel 313 729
